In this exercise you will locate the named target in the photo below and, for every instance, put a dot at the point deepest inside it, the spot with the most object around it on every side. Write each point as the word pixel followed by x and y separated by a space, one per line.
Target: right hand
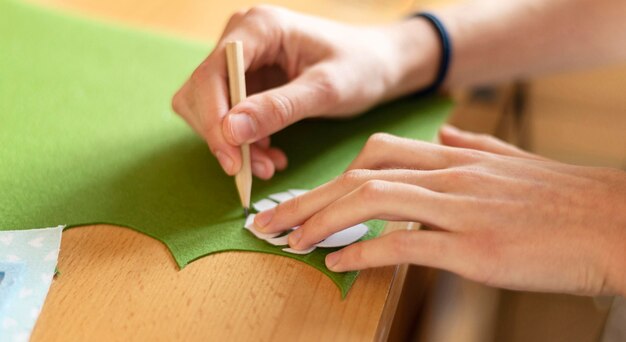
pixel 299 66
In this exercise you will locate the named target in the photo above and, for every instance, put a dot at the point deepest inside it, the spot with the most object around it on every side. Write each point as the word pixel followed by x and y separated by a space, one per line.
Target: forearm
pixel 499 40
pixel 495 41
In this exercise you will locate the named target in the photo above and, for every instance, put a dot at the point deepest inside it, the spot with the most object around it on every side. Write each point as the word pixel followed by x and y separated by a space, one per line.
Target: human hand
pixel 299 66
pixel 495 214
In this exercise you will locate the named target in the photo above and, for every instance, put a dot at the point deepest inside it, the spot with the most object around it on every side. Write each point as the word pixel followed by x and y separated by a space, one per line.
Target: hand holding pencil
pixel 292 73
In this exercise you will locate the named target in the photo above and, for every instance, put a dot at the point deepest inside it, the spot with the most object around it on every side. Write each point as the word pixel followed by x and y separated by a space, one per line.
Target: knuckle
pixel 236 16
pixel 263 10
pixel 401 244
pixel 379 139
pixel 178 103
pixel 372 190
pixel 327 88
pixel 353 177
pixel 263 22
pixel 374 153
pixel 292 206
pixel 283 109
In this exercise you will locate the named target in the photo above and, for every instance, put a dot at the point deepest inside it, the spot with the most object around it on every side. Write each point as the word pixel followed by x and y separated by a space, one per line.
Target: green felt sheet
pixel 87 136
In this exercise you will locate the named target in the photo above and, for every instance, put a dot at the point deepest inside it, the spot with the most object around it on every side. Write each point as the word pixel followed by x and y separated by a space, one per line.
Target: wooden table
pixel 117 284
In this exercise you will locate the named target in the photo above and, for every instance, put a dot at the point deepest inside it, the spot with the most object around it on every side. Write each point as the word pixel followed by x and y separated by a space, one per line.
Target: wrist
pixel 616 279
pixel 610 250
pixel 418 53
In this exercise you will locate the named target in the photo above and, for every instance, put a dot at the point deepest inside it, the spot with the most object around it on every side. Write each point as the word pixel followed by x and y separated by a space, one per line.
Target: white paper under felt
pixel 279 241
pixel 264 204
pixel 250 226
pixel 297 192
pixel 295 251
pixel 344 237
pixel 339 239
pixel 282 197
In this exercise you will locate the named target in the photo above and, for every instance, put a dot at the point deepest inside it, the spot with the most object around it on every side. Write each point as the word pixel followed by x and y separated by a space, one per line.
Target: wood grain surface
pixel 117 284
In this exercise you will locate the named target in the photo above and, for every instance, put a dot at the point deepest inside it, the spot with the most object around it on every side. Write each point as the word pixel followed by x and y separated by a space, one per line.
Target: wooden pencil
pixel 237 87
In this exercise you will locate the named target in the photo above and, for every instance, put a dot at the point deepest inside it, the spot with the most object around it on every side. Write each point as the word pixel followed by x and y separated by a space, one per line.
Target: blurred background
pixel 578 117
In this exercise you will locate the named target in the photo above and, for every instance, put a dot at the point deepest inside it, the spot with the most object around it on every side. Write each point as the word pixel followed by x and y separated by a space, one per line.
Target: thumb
pixel 313 93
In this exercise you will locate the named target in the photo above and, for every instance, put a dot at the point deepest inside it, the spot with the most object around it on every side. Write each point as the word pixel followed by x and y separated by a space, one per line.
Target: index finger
pixel 204 101
pixel 379 200
pixel 299 209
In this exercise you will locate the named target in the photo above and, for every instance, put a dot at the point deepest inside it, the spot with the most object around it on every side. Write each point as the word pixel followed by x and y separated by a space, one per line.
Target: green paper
pixel 87 136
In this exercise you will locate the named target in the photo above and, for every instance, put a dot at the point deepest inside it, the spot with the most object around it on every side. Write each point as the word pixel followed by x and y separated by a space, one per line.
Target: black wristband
pixel 446 53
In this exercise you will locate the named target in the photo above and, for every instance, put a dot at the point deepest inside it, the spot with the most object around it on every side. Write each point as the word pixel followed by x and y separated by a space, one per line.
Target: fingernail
pixel 225 160
pixel 242 127
pixel 295 237
pixel 258 168
pixel 263 218
pixel 332 260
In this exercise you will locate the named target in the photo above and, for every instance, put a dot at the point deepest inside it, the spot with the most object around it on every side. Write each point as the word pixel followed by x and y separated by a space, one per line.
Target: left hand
pixel 496 214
